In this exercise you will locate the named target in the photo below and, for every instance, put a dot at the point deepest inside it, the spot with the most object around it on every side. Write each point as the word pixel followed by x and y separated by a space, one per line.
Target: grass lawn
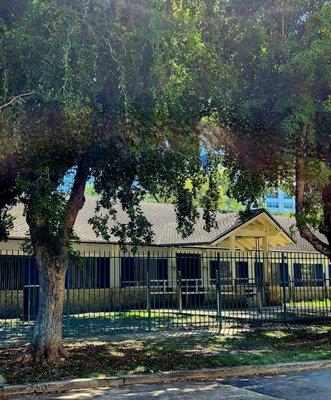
pixel 313 303
pixel 92 359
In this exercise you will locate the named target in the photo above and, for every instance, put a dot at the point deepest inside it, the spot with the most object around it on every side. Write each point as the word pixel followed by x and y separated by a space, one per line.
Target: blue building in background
pixel 279 201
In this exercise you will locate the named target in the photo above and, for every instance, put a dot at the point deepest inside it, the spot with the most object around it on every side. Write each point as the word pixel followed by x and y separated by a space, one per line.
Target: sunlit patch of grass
pixel 313 303
pixel 276 334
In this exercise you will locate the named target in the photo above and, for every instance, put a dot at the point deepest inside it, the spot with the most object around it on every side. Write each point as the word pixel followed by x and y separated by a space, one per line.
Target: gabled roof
pixel 254 214
pixel 163 220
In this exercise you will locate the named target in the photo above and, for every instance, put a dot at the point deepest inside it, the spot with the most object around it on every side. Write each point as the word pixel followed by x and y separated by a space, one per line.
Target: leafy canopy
pixel 114 94
pixel 277 111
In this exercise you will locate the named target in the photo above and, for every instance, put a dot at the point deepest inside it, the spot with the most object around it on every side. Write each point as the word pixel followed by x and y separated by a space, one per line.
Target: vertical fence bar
pixel 219 293
pixel 180 297
pixel 148 278
pixel 284 279
pixel 68 299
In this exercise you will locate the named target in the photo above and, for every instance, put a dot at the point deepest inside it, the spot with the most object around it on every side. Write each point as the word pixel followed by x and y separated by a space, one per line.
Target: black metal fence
pixel 186 289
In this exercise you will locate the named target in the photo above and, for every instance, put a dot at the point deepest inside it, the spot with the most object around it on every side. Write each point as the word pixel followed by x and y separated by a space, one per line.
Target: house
pixel 243 256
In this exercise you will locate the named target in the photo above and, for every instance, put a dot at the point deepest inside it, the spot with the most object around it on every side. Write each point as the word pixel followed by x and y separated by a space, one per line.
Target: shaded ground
pixel 90 359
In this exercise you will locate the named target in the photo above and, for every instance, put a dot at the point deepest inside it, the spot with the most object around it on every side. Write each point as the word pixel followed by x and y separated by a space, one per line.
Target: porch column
pixel 232 248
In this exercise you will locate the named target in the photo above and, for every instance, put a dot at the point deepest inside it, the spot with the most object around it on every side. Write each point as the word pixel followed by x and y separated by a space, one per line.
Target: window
pixel 89 273
pixel 225 272
pixel 308 275
pixel 272 205
pixel 286 196
pixel 133 271
pixel 271 196
pixel 283 274
pixel 279 274
pixel 189 266
pixel 17 271
pixel 159 269
pixel 259 273
pixel 242 271
pixel 288 206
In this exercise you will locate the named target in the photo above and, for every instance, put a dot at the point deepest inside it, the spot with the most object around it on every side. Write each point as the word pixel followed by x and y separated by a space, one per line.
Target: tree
pixel 275 120
pixel 116 96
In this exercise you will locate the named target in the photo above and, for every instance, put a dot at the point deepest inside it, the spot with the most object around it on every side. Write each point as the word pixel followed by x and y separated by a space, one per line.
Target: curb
pixel 162 377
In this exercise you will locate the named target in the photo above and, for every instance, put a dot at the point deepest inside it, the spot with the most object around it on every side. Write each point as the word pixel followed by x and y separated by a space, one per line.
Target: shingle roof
pixel 301 244
pixel 163 220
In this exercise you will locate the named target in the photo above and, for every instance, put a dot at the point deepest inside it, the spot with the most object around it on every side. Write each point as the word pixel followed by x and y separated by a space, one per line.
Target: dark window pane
pixel 224 271
pixel 259 273
pixel 242 271
pixel 133 271
pixel 319 277
pixel 283 274
pixel 17 271
pixel 89 273
pixel 127 271
pixel 297 274
pixel 162 269
pixel 189 265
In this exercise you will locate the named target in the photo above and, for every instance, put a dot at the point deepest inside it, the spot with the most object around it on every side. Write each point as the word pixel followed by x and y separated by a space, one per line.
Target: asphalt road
pixel 315 385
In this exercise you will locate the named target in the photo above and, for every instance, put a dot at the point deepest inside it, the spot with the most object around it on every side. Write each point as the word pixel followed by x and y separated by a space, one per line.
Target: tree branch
pixel 304 230
pixel 15 98
pixel 326 199
pixel 76 200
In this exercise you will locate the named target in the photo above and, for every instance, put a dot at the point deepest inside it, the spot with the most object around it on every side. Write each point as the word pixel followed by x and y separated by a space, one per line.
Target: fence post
pixel 283 281
pixel 149 290
pixel 180 297
pixel 325 296
pixel 219 293
pixel 68 298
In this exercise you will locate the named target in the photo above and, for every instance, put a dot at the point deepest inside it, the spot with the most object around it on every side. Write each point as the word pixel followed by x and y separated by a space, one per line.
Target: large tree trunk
pixel 326 198
pixel 46 346
pixel 305 231
pixel 52 261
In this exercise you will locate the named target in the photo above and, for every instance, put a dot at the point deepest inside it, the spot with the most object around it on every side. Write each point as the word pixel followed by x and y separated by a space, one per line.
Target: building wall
pixel 279 202
pixel 114 253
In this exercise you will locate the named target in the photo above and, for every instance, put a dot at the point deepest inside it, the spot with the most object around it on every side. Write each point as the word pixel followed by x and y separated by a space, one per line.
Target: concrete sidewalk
pixel 309 385
pixel 166 391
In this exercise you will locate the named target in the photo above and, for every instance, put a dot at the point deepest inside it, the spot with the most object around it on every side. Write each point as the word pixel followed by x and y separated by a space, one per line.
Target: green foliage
pixel 90 191
pixel 116 91
pixel 279 52
pixel 130 91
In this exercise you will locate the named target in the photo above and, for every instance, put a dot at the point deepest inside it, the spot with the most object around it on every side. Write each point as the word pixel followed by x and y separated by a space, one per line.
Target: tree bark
pixel 304 230
pixel 326 198
pixel 46 346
